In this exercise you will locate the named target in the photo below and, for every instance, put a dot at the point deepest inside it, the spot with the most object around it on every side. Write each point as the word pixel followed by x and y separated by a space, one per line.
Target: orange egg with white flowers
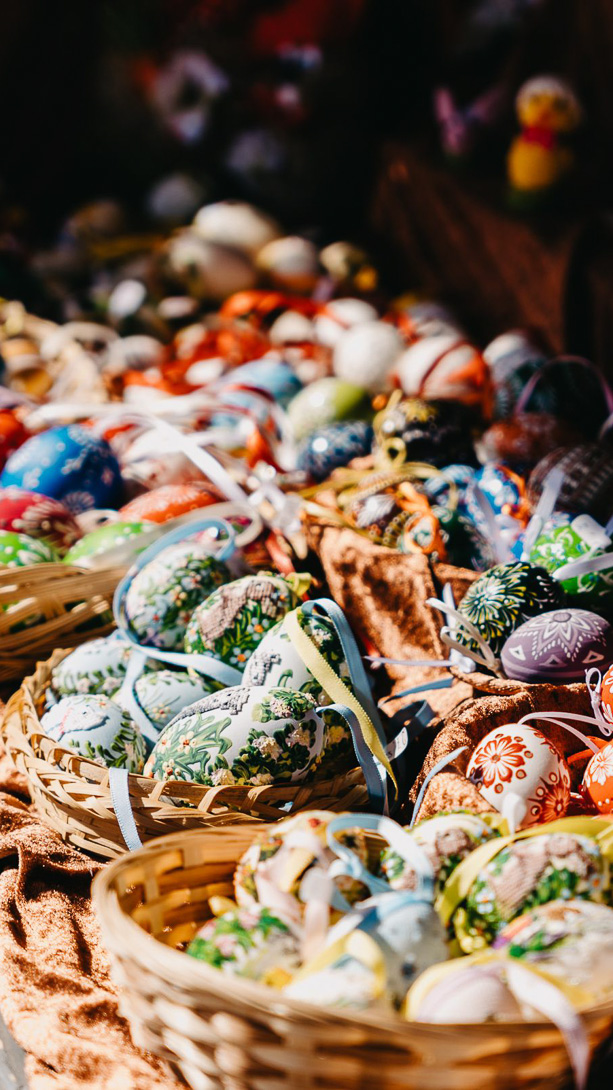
pixel 169 501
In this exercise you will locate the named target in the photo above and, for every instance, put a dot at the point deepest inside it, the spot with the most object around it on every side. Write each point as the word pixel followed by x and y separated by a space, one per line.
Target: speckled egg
pixel 235 618
pixel 70 464
pixel 168 502
pixel 588 479
pixel 565 538
pixel 366 355
pixel 247 735
pixel 324 402
pixel 558 646
pixel 98 666
pixel 20 550
pixel 503 598
pixel 38 516
pixel 329 448
pixel 276 662
pixel 163 595
pixel 162 694
pixel 97 728
pixel 108 538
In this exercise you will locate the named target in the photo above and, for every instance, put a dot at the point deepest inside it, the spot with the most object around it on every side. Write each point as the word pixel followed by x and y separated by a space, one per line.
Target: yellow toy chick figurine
pixel 539 158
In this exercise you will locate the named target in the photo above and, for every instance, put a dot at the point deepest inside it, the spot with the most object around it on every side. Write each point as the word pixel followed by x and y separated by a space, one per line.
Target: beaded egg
pixel 324 402
pixel 162 694
pixel 329 448
pixel 98 666
pixel 246 735
pixel 558 646
pixel 366 354
pixel 168 502
pixel 38 516
pixel 521 774
pixel 97 728
pixel 587 484
pixel 163 595
pixel 503 598
pixel 20 550
pixel 565 538
pixel 109 539
pixel 69 464
pixel 258 943
pixel 276 662
pixel 235 618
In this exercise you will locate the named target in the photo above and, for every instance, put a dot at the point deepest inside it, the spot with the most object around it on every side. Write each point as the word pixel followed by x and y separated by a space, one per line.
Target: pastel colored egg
pixel 329 448
pixel 70 464
pixel 468 993
pixel 276 662
pixel 97 728
pixel 521 774
pixel 257 943
pixel 587 484
pixel 205 269
pixel 324 402
pixel 98 666
pixel 168 502
pixel 339 315
pixel 558 646
pixel 111 538
pixel 235 618
pixel 162 694
pixel 272 376
pixel 565 538
pixel 503 598
pixel 598 779
pixel 20 550
pixel 366 354
pixel 242 735
pixel 38 516
pixel 163 595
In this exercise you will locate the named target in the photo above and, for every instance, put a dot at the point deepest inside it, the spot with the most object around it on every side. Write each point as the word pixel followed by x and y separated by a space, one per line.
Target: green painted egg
pixel 20 550
pixel 106 538
pixel 327 401
pixel 565 538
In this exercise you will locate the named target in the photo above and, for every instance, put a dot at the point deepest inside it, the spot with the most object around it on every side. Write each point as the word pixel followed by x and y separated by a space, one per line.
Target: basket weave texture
pixel 61 606
pixel 224 1033
pixel 72 793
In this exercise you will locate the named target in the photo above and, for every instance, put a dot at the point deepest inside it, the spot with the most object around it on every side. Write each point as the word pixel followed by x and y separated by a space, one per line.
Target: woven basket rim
pixel 177 964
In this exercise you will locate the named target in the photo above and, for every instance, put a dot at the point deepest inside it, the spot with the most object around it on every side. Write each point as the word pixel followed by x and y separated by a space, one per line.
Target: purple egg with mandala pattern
pixel 558 646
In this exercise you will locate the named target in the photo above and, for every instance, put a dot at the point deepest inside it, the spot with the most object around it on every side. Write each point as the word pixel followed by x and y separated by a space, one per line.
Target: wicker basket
pixel 224 1033
pixel 72 793
pixel 61 606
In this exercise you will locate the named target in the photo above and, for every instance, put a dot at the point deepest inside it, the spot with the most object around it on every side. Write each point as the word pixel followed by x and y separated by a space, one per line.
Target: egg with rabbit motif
pixel 97 728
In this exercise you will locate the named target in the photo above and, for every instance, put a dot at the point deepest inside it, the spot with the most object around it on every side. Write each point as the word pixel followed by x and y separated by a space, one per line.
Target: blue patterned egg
pixel 504 490
pixel 97 728
pixel 162 694
pixel 274 377
pixel 558 646
pixel 70 464
pixel 448 485
pixel 98 666
pixel 332 447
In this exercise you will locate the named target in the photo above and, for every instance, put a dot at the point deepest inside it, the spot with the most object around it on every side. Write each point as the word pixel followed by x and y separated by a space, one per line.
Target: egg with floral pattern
pixel 257 943
pixel 606 696
pixel 598 779
pixel 38 516
pixel 446 839
pixel 276 662
pixel 558 646
pixel 250 736
pixel 163 595
pixel 169 501
pixel 98 666
pixel 162 694
pixel 503 598
pixel 70 464
pixel 97 728
pixel 565 538
pixel 20 550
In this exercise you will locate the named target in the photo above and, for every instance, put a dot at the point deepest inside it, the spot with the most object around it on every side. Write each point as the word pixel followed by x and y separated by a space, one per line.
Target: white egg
pixel 236 224
pixel 97 728
pixel 367 354
pixel 340 315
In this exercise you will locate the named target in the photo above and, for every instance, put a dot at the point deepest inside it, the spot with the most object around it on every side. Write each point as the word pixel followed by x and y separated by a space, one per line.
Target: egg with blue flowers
pixel 70 464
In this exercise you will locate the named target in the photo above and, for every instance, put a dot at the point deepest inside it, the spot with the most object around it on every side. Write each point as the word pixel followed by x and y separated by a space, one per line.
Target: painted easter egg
pixel 466 546
pixel 205 269
pixel 565 538
pixel 97 728
pixel 521 441
pixel 276 662
pixel 606 696
pixel 163 595
pixel 558 646
pixel 235 618
pixel 503 598
pixel 12 434
pixel 324 402
pixel 20 550
pixel 290 263
pixel 168 502
pixel 449 485
pixel 446 839
pixel 38 516
pixel 521 774
pixel 98 666
pixel 272 376
pixel 466 993
pixel 70 464
pixel 327 449
pixel 366 355
pixel 338 316
pixel 436 432
pixel 162 694
pixel 587 484
pixel 505 492
pixel 243 735
pixel 257 943
pixel 513 360
pixel 108 539
pixel 598 778
pixel 444 366
pixel 236 224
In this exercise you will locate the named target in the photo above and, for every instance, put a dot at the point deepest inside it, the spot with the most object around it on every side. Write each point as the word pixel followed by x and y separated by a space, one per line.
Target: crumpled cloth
pixel 56 996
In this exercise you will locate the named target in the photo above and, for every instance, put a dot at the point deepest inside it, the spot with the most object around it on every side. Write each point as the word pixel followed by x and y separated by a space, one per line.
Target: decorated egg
pixel 446 839
pixel 162 694
pixel 505 492
pixel 276 662
pixel 12 434
pixel 235 618
pixel 70 464
pixel 558 646
pixel 273 377
pixel 521 441
pixel 329 448
pixel 513 360
pixel 20 550
pixel 292 327
pixel 326 401
pixel 258 943
pixel 503 598
pixel 108 539
pixel 598 776
pixel 98 666
pixel 237 225
pixel 168 502
pixel 449 485
pixel 565 538
pixel 38 516
pixel 205 269
pixel 521 774
pixel 97 728
pixel 243 735
pixel 606 696
pixel 588 479
pixel 366 354
pixel 444 366
pixel 465 545
pixel 290 263
pixel 163 595
pixel 436 432
pixel 465 993
pixel 339 315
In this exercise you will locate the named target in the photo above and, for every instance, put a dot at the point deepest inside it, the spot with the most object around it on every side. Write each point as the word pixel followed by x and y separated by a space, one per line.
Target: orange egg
pixel 12 434
pixel 598 779
pixel 606 696
pixel 169 501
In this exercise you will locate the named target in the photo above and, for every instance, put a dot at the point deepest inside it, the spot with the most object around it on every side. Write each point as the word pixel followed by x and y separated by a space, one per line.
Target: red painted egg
pixel 38 516
pixel 169 501
pixel 12 434
pixel 598 779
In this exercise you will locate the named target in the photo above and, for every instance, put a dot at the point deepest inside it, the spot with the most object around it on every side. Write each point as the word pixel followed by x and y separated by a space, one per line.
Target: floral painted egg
pixel 162 694
pixel 38 516
pixel 12 434
pixel 70 464
pixel 242 735
pixel 276 662
pixel 257 943
pixel 446 839
pixel 558 646
pixel 606 696
pixel 19 550
pixel 98 666
pixel 163 595
pixel 503 598
pixel 598 778
pixel 521 774
pixel 366 355
pixel 168 502
pixel 108 539
pixel 97 728
pixel 436 432
pixel 565 538
pixel 235 618
pixel 329 448
pixel 324 402
pixel 588 479
pixel 541 868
